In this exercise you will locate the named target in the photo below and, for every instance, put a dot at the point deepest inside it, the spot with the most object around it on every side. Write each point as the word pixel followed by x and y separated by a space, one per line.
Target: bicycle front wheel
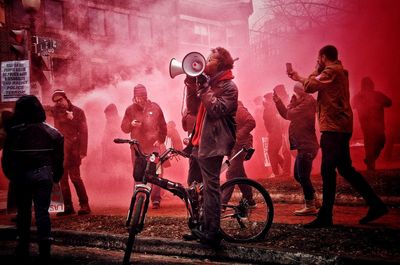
pixel 247 210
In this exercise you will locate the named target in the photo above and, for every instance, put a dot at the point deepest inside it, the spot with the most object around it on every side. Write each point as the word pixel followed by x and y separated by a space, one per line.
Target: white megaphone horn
pixel 193 64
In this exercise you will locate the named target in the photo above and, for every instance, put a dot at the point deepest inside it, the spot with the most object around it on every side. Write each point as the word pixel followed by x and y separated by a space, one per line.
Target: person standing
pixel 275 138
pixel 280 90
pixel 145 122
pixel 301 114
pixel 70 120
pixel 370 105
pixel 245 123
pixel 331 81
pixel 214 103
pixel 32 160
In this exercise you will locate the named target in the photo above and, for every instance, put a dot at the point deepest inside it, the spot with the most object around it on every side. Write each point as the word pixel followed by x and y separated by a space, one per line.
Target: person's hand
pixel 70 115
pixel 186 140
pixel 136 123
pixel 189 80
pixel 275 97
pixel 294 75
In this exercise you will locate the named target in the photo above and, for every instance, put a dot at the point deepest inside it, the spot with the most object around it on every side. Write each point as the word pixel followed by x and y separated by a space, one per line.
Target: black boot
pixel 320 222
pixel 374 212
pixel 22 252
pixel 44 251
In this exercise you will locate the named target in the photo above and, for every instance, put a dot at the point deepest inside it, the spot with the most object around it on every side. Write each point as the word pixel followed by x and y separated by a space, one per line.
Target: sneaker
pixel 85 209
pixel 271 176
pixel 373 214
pixel 156 205
pixel 306 211
pixel 189 237
pixel 67 211
pixel 309 208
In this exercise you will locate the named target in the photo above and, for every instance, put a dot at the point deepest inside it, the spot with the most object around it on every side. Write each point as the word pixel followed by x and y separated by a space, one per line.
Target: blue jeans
pixel 302 171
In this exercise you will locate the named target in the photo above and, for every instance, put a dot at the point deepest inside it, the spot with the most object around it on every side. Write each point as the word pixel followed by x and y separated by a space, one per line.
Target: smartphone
pixel 289 68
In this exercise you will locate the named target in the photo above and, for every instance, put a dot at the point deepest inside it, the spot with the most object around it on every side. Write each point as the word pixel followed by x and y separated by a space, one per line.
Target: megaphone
pixel 193 64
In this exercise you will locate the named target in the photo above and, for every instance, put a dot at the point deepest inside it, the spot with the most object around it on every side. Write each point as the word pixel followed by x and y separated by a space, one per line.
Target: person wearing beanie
pixel 70 120
pixel 144 121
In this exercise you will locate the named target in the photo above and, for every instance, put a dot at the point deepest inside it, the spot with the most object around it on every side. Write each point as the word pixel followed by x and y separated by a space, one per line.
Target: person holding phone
pixel 331 81
pixel 301 114
pixel 144 121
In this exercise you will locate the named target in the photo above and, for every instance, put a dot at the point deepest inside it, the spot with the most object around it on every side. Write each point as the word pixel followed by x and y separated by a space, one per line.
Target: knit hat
pixel 139 91
pixel 58 92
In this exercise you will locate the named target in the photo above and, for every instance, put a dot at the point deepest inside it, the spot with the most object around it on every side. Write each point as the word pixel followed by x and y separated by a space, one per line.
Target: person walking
pixel 301 114
pixel 331 81
pixel 370 105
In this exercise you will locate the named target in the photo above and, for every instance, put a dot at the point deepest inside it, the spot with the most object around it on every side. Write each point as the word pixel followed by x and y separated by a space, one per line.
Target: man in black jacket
pixel 301 114
pixel 32 160
pixel 70 120
pixel 214 104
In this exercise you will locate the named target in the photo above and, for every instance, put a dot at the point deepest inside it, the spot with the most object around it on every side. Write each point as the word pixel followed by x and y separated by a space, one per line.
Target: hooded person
pixel 70 120
pixel 32 160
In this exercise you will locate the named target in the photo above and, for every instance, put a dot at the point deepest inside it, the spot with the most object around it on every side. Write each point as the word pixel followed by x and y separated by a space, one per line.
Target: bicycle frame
pixel 154 160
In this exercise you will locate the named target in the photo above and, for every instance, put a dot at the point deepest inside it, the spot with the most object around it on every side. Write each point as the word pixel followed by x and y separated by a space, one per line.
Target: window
pixel 144 33
pixel 120 26
pixel 201 33
pixel 54 14
pixel 96 21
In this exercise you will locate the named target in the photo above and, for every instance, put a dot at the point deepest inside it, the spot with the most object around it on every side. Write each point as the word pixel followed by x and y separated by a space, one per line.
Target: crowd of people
pixel 218 124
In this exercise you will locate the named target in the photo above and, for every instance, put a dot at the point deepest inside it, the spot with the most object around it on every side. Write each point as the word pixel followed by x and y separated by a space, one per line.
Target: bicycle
pixel 242 219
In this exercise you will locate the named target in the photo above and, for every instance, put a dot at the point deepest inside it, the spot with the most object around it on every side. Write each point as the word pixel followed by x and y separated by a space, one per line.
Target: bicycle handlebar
pixel 125 141
pixel 163 156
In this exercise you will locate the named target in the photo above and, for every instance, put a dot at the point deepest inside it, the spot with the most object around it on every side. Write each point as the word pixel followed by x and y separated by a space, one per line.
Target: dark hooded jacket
pixel 245 124
pixel 154 127
pixel 31 143
pixel 220 100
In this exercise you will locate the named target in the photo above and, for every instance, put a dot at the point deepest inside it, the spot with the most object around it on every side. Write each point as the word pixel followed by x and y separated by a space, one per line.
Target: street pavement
pixel 74 247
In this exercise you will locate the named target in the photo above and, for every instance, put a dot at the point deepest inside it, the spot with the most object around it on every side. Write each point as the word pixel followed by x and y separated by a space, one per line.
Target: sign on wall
pixel 14 80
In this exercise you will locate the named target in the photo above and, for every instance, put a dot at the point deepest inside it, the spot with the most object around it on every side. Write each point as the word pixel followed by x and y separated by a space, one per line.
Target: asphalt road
pixel 67 255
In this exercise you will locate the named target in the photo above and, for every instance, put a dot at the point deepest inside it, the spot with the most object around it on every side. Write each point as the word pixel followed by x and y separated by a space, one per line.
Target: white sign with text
pixel 14 80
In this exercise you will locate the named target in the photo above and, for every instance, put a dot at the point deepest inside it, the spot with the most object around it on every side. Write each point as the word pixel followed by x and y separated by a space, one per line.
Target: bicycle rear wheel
pixel 247 210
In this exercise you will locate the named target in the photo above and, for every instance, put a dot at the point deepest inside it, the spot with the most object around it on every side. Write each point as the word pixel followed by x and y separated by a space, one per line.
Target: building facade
pixel 102 41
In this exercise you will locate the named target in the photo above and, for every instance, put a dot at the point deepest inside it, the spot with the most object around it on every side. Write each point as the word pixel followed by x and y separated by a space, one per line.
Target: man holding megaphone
pixel 213 98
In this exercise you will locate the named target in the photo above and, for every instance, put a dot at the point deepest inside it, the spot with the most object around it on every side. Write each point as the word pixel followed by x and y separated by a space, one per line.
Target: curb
pixel 173 247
